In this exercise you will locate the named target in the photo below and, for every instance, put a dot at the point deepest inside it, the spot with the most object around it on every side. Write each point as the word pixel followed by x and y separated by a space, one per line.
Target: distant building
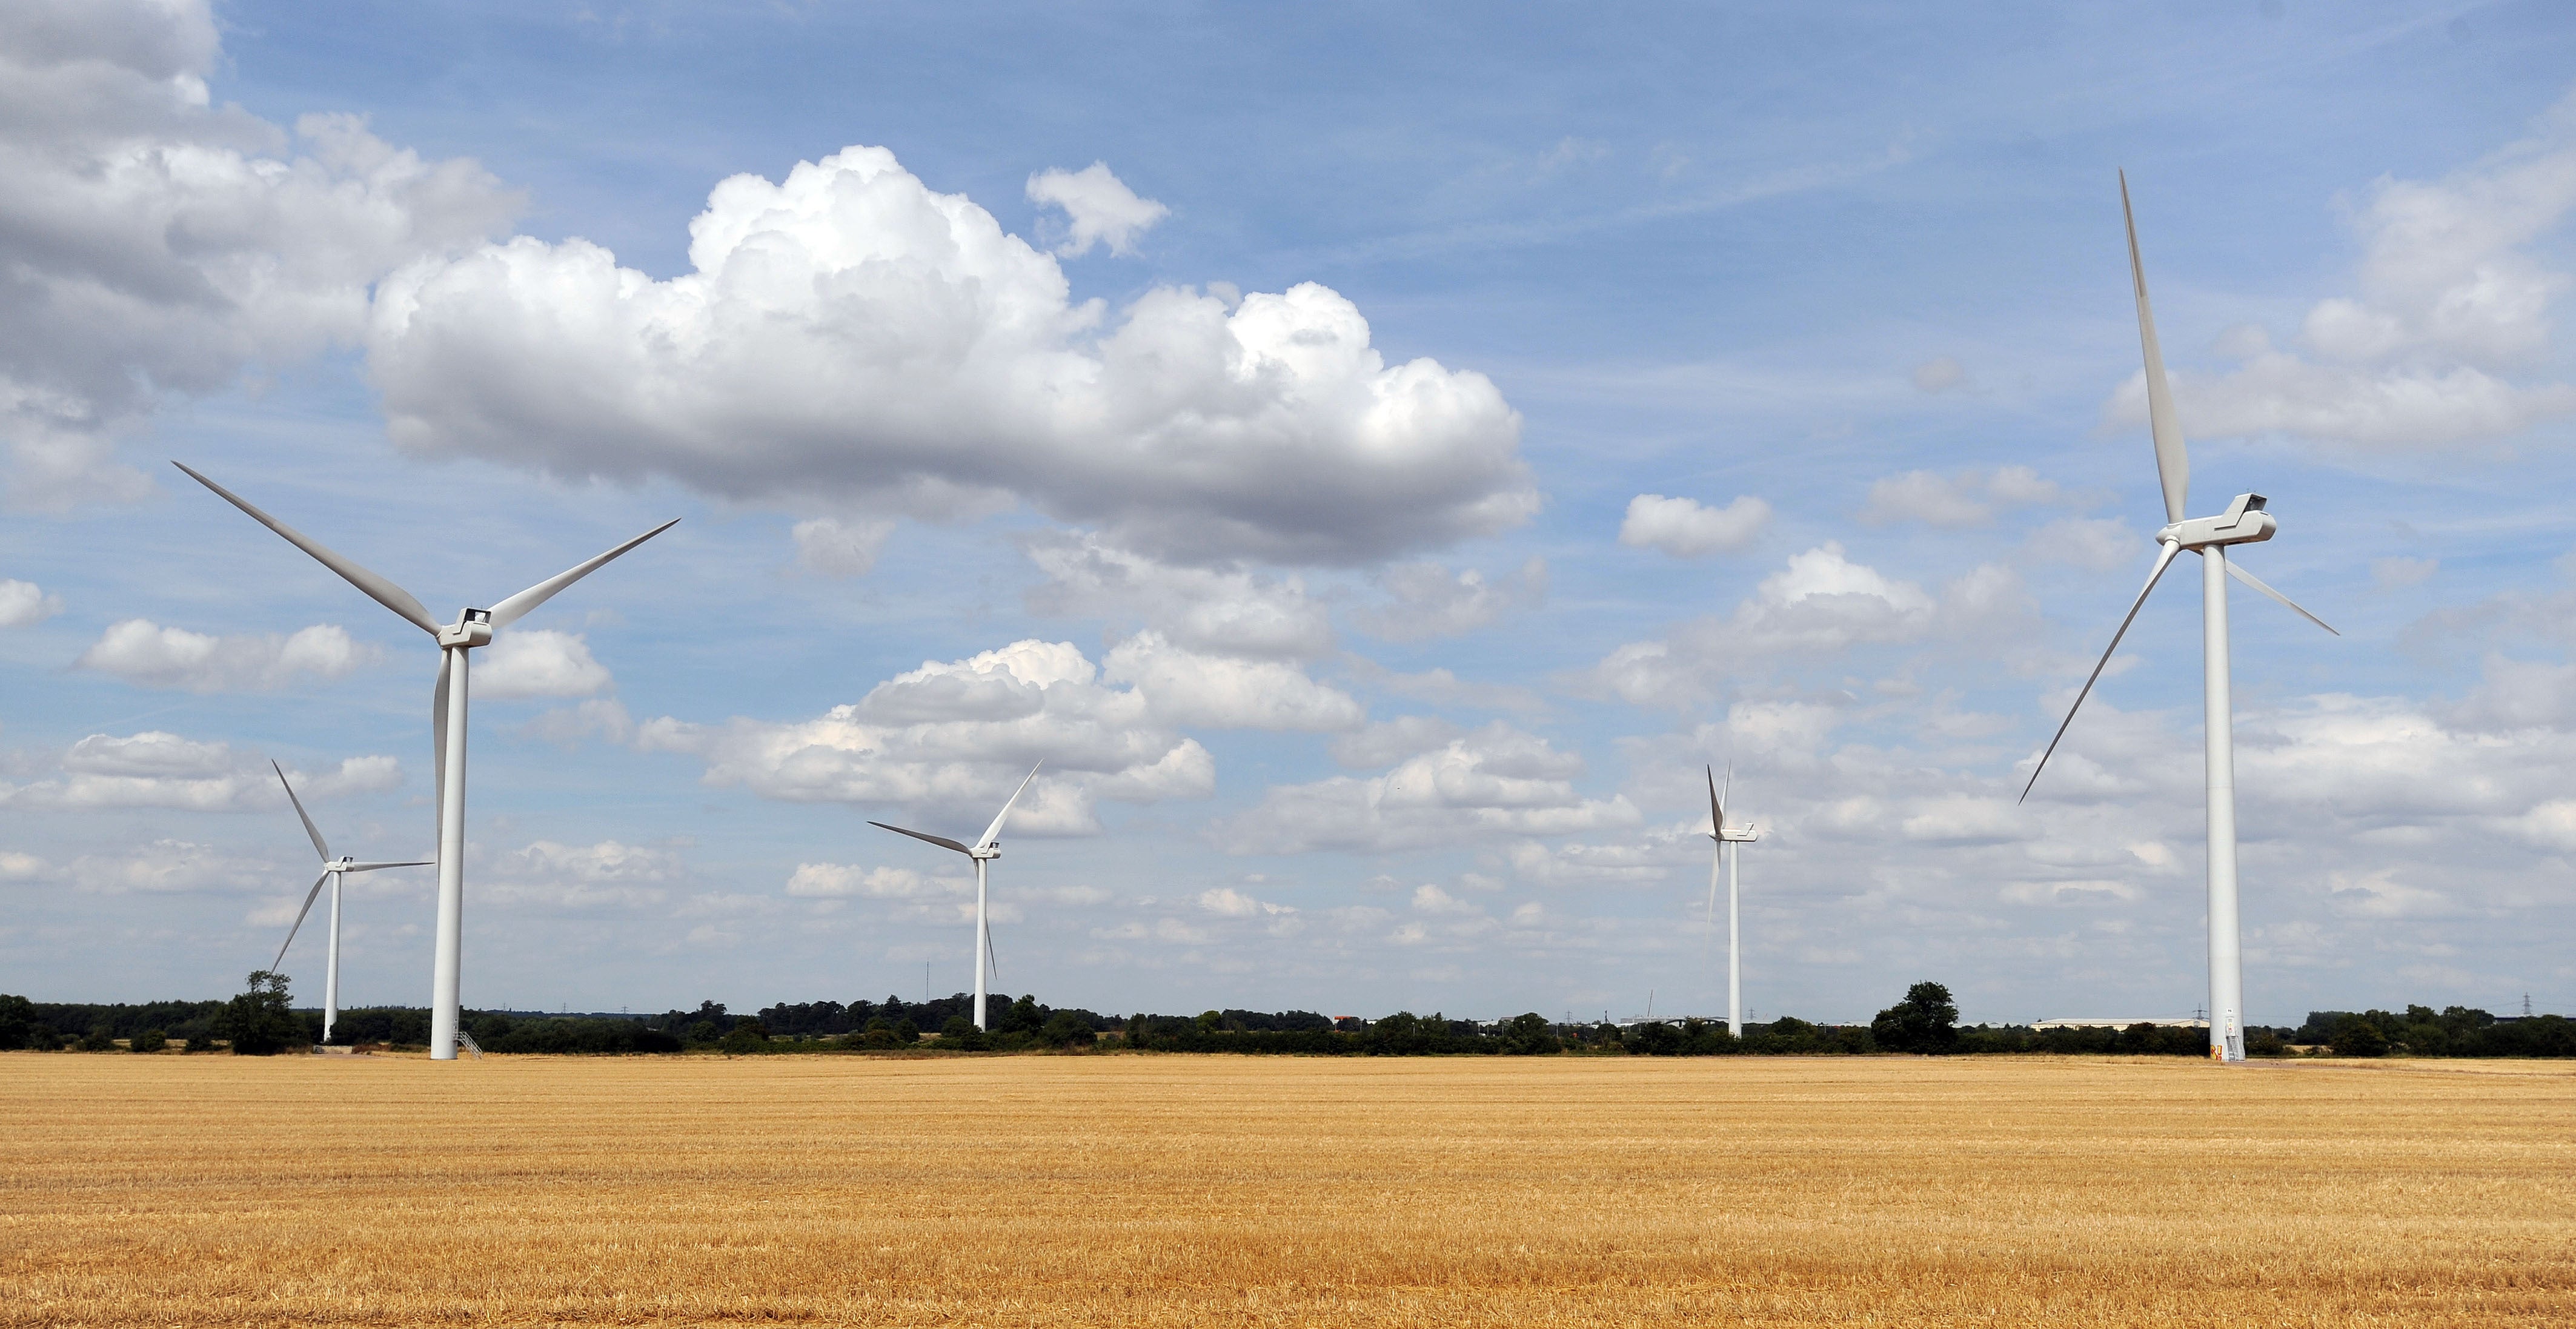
pixel 2119 1024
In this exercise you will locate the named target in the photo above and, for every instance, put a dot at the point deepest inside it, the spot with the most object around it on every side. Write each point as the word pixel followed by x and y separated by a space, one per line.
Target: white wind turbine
pixel 983 851
pixel 332 870
pixel 2244 522
pixel 472 628
pixel 1729 839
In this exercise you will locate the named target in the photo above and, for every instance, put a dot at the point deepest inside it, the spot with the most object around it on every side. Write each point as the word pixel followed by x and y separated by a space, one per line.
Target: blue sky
pixel 1377 488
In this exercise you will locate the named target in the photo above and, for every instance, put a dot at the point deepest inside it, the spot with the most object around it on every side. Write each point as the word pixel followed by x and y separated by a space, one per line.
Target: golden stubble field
pixel 1168 1190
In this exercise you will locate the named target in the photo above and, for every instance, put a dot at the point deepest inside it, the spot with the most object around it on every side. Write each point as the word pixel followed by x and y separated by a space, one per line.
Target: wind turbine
pixel 2244 522
pixel 472 628
pixel 983 851
pixel 1728 838
pixel 332 870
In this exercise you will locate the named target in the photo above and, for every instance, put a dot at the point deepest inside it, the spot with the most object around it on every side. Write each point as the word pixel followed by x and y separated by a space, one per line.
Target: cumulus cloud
pixel 2452 318
pixel 1099 208
pixel 24 604
pixel 1232 903
pixel 144 653
pixel 545 874
pixel 840 547
pixel 1184 687
pixel 1429 601
pixel 1390 741
pixel 1217 610
pixel 163 867
pixel 1495 780
pixel 538 662
pixel 1964 498
pixel 955 736
pixel 1818 604
pixel 849 331
pixel 840 880
pixel 157 244
pixel 1684 529
pixel 157 769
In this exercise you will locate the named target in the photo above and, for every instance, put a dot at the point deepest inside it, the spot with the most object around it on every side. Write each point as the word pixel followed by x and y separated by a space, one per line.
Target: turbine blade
pixel 2238 572
pixel 370 867
pixel 382 591
pixel 318 847
pixel 1715 862
pixel 2173 463
pixel 299 921
pixel 511 610
pixel 438 736
pixel 993 832
pixel 2164 559
pixel 1716 809
pixel 992 962
pixel 940 840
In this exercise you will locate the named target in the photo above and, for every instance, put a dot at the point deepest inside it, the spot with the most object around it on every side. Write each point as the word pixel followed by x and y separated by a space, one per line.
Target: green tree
pixel 749 1036
pixel 100 1038
pixel 1021 1017
pixel 147 1040
pixel 1924 1022
pixel 260 1022
pixel 17 1023
pixel 1066 1029
pixel 1529 1036
pixel 960 1034
pixel 2357 1037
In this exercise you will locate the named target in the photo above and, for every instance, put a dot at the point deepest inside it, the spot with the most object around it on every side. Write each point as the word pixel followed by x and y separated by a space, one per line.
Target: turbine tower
pixel 472 628
pixel 1729 839
pixel 983 851
pixel 2244 522
pixel 332 870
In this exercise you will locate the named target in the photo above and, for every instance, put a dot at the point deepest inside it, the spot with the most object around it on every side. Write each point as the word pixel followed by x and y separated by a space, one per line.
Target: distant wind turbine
pixel 1728 839
pixel 983 851
pixel 472 628
pixel 332 870
pixel 2244 522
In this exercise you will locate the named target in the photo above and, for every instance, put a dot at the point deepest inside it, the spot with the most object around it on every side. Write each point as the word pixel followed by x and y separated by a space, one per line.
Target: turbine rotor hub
pixel 472 628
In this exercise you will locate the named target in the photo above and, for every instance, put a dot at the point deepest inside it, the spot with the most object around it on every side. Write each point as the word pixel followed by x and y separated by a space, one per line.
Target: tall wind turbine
pixel 1729 840
pixel 983 851
pixel 2244 522
pixel 472 628
pixel 332 870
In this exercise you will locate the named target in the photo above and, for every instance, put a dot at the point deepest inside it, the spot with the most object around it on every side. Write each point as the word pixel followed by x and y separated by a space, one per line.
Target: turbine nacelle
pixel 472 628
pixel 1738 835
pixel 2244 523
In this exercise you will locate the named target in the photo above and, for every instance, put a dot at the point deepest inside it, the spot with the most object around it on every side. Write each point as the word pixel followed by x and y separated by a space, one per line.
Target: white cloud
pixel 149 655
pixel 157 769
pixel 1232 903
pixel 1099 207
pixel 1496 780
pixel 2454 303
pixel 832 880
pixel 1221 610
pixel 24 604
pixel 163 867
pixel 2095 544
pixel 160 244
pixel 1390 741
pixel 1682 528
pixel 838 547
pixel 1964 498
pixel 546 874
pixel 1183 687
pixel 15 866
pixel 1430 601
pixel 538 662
pixel 848 332
pixel 954 737
pixel 603 718
pixel 1818 604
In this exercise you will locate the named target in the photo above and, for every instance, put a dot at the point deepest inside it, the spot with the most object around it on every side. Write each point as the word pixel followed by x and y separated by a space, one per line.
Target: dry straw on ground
pixel 1217 1191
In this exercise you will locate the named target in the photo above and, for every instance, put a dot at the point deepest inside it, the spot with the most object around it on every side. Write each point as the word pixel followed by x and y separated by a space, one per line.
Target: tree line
pixel 263 1019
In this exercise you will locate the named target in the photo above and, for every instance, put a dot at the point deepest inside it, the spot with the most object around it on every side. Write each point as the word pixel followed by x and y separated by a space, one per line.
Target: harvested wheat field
pixel 1172 1190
